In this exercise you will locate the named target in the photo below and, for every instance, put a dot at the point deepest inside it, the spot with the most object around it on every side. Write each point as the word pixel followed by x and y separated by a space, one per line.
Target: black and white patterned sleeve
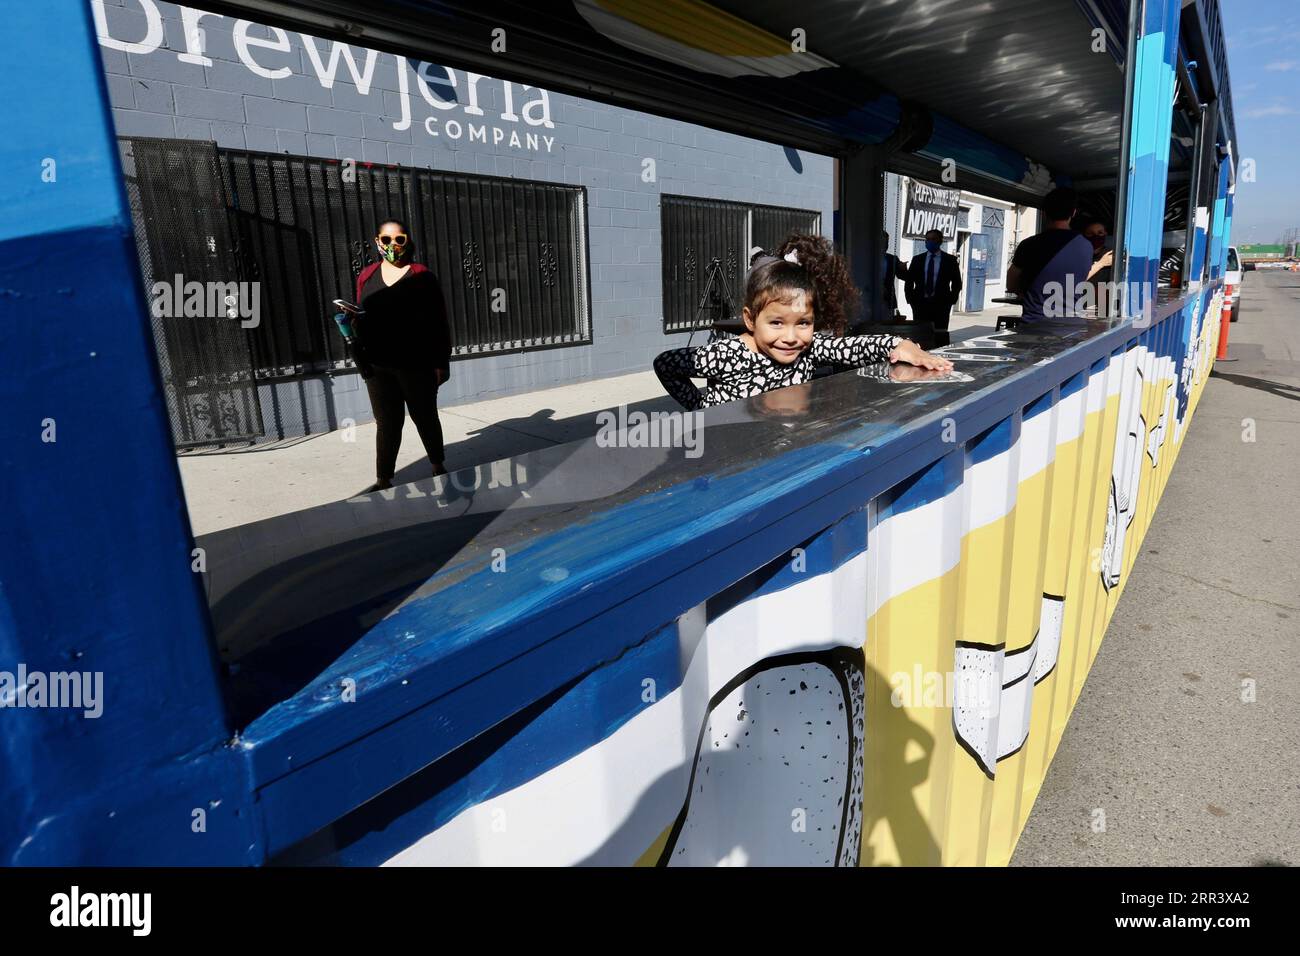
pixel 677 367
pixel 854 350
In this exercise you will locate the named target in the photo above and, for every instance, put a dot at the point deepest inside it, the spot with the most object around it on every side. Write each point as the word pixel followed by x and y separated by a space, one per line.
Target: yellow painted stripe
pixel 699 25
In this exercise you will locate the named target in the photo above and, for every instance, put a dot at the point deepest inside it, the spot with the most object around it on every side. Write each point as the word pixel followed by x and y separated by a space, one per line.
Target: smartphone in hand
pixel 346 306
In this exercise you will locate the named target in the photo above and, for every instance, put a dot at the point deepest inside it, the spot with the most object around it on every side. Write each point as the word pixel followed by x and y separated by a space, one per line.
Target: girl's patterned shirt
pixel 734 371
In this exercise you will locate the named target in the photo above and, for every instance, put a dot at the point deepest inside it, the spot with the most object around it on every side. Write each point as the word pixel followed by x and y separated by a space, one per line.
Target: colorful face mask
pixel 392 252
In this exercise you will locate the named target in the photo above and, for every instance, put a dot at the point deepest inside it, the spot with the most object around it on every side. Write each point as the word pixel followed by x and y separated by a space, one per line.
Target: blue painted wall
pixel 95 567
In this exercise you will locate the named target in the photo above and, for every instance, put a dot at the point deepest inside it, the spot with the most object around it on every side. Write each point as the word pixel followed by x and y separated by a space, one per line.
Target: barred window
pixel 706 245
pixel 511 254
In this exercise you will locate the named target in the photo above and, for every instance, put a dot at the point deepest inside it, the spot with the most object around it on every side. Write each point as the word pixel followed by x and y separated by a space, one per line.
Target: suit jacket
pixel 947 286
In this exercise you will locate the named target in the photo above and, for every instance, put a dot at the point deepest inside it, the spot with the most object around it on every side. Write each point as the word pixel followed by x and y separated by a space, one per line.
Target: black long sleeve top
pixel 404 325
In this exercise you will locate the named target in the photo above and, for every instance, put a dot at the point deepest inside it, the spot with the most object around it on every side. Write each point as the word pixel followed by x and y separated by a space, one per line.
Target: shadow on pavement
pixel 1280 389
pixel 515 436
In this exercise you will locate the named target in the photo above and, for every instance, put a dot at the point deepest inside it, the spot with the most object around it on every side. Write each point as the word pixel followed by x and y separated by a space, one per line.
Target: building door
pixel 994 226
pixel 977 261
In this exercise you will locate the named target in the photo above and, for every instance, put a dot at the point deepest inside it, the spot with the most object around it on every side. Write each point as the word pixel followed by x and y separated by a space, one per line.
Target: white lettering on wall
pixel 341 50
pixel 153 35
pixel 423 78
pixel 543 100
pixel 193 36
pixel 255 47
pixel 243 43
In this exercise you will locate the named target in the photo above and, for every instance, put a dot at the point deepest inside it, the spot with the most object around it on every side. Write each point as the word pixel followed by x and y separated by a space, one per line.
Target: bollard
pixel 1225 320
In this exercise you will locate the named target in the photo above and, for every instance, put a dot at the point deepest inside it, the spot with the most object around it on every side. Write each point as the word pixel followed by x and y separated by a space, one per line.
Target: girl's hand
pixel 911 353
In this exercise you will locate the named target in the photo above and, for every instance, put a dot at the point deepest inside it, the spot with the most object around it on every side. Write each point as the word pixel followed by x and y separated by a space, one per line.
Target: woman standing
pixel 405 344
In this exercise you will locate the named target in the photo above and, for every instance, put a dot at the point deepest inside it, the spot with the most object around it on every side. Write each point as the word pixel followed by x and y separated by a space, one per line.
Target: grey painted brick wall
pixel 601 147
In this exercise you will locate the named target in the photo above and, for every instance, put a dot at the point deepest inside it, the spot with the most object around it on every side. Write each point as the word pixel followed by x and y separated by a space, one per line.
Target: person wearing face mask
pixel 1049 270
pixel 1103 262
pixel 405 348
pixel 932 286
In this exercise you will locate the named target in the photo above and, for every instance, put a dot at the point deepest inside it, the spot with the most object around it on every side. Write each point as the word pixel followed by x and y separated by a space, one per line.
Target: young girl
pixel 797 304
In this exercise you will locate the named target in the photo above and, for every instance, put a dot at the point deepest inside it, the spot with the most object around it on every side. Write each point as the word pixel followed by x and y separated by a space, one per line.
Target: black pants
pixel 392 392
pixel 937 314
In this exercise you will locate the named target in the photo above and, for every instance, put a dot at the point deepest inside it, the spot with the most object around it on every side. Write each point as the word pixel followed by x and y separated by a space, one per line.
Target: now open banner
pixel 930 207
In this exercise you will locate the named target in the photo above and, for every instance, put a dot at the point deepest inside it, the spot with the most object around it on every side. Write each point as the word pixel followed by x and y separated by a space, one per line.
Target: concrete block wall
pixel 251 86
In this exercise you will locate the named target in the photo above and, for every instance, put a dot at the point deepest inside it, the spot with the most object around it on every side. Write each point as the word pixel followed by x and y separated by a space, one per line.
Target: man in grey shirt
pixel 1050 270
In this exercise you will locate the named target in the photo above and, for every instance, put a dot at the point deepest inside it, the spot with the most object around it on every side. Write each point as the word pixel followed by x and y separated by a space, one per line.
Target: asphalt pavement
pixel 1187 732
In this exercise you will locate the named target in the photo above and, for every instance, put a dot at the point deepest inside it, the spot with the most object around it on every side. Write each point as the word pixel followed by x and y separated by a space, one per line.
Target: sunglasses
pixel 399 239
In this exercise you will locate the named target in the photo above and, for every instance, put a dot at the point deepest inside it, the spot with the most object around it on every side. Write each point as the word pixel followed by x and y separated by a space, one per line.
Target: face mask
pixel 931 245
pixel 1098 242
pixel 392 252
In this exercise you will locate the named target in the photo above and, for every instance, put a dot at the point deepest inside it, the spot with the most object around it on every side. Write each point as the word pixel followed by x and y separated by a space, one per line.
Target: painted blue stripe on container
pixel 1039 405
pixel 1146 136
pixel 973 151
pixel 1076 383
pixel 993 441
pixel 528 744
pixel 932 483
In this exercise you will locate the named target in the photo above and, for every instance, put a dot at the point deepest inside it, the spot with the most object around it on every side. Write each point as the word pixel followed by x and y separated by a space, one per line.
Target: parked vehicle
pixel 1232 281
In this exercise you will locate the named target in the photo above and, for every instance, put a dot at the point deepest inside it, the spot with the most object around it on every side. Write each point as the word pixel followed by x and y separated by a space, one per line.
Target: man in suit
pixel 932 286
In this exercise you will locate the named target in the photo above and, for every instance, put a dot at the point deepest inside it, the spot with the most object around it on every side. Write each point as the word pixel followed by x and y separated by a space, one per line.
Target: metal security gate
pixel 708 239
pixel 511 256
pixel 185 241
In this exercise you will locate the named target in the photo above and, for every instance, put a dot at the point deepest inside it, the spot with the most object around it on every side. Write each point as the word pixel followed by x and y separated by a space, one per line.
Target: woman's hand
pixel 1107 260
pixel 911 353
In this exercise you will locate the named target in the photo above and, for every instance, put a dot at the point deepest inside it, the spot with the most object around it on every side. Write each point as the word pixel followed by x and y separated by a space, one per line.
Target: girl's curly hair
pixel 819 271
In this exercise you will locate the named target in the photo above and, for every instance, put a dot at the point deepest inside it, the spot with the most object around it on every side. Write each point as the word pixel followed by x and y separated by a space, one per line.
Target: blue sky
pixel 1264 64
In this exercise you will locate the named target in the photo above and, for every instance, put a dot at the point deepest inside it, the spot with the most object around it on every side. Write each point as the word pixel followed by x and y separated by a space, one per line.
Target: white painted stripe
pixel 607 804
pixel 1115 368
pixel 992 488
pixel 913 547
pixel 1037 443
pixel 1097 389
pixel 1017 701
pixel 1070 412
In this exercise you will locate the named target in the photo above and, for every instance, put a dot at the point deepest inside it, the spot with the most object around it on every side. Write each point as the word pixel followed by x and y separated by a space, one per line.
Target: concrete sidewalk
pixel 1186 770
pixel 227 489
pixel 224 489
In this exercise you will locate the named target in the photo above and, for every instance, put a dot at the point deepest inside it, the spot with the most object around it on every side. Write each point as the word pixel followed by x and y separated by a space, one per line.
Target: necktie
pixel 929 273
